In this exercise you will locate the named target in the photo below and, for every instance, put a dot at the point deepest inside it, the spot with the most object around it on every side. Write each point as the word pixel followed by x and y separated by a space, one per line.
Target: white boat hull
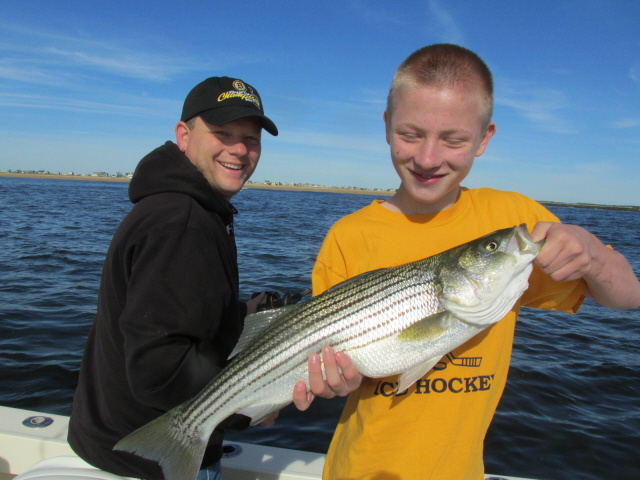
pixel 29 451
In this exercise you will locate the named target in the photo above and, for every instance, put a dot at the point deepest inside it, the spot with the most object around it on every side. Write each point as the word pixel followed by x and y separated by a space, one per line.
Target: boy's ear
pixel 489 132
pixel 385 117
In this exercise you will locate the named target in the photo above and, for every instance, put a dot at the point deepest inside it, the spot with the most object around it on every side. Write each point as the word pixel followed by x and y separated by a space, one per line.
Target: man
pixel 438 119
pixel 168 308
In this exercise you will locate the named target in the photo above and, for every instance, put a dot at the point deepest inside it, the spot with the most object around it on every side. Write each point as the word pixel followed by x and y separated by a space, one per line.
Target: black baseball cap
pixel 219 100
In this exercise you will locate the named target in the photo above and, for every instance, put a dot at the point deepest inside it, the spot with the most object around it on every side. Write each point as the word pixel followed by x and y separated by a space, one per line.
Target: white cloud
pixel 634 71
pixel 347 144
pixel 123 63
pixel 49 54
pixel 541 106
pixel 386 18
pixel 126 105
pixel 602 167
pixel 24 72
pixel 627 123
pixel 451 31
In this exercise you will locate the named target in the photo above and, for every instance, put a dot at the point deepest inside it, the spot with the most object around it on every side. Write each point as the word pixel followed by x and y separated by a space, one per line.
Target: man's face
pixel 226 155
pixel 434 135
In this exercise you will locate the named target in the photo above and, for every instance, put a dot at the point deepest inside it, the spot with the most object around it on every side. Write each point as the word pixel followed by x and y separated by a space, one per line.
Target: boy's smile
pixel 426 179
pixel 434 134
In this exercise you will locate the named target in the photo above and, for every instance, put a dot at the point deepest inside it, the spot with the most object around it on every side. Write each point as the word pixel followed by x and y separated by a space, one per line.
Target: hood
pixel 167 169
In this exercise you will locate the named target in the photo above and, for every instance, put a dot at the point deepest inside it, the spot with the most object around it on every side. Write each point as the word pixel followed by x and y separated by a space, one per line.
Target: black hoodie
pixel 168 312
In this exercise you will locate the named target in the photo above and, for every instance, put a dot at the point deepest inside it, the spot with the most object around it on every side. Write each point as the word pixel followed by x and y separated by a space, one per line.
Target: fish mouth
pixel 522 241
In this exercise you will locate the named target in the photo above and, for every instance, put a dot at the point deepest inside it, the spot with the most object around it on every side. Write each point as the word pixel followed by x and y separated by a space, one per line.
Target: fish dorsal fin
pixel 256 322
pixel 414 374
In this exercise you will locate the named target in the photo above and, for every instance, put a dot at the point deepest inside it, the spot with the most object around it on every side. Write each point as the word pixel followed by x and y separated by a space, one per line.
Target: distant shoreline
pixel 53 176
pixel 303 188
pixel 264 186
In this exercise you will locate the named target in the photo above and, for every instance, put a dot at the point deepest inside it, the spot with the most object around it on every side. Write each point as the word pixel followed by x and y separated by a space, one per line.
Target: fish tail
pixel 161 440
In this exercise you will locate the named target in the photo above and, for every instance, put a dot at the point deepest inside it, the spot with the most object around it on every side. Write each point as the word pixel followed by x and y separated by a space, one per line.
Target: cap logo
pixel 240 92
pixel 238 85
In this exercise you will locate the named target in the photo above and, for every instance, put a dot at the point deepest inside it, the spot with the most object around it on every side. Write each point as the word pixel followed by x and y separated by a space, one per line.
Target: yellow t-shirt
pixel 436 429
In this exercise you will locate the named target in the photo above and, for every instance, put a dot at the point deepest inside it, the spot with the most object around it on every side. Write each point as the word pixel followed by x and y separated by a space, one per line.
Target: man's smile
pixel 232 166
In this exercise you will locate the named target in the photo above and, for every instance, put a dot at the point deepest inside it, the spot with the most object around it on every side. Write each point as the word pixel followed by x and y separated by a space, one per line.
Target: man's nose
pixel 237 147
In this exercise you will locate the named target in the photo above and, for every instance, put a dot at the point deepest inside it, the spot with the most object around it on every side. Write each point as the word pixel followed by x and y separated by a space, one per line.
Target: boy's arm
pixel 571 252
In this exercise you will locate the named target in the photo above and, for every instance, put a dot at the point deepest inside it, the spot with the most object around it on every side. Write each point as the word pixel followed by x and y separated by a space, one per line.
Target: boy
pixel 438 119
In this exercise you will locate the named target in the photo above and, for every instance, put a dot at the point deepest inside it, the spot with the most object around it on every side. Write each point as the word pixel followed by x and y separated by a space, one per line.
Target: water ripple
pixel 570 409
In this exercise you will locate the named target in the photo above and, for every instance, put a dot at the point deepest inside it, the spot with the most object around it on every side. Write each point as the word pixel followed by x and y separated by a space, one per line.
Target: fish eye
pixel 491 245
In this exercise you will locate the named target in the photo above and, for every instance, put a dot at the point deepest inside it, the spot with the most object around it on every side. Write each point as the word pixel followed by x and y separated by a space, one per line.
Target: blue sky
pixel 93 86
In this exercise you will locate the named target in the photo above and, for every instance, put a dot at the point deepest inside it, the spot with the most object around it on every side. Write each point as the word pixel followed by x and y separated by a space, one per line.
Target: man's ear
pixel 182 135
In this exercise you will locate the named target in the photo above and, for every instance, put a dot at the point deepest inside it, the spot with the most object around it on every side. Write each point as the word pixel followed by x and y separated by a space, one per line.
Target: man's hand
pixel 340 378
pixel 252 305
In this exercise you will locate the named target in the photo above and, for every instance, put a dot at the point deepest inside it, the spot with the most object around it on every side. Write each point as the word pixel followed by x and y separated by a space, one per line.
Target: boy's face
pixel 434 135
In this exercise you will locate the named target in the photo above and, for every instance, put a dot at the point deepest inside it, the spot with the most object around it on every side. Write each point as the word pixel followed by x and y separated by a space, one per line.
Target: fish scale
pixel 399 320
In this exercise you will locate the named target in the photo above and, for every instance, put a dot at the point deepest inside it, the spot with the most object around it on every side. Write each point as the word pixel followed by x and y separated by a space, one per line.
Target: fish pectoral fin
pixel 414 374
pixel 258 413
pixel 429 328
pixel 256 322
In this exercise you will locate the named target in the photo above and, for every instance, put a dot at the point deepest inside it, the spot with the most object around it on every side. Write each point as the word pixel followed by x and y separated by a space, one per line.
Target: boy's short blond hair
pixel 446 65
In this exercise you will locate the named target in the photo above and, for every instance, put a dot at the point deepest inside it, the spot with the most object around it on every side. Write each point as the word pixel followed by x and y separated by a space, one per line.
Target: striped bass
pixel 398 320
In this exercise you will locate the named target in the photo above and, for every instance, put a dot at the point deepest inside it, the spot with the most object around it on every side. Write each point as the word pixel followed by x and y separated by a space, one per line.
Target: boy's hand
pixel 270 420
pixel 341 378
pixel 569 251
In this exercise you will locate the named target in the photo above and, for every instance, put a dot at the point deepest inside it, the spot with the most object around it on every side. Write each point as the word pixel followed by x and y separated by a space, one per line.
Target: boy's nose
pixel 428 156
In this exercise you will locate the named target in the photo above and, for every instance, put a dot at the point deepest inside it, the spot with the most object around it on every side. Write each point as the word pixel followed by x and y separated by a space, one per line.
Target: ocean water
pixel 571 409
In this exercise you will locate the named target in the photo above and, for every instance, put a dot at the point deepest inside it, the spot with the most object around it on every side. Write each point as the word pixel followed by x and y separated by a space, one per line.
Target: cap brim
pixel 220 116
